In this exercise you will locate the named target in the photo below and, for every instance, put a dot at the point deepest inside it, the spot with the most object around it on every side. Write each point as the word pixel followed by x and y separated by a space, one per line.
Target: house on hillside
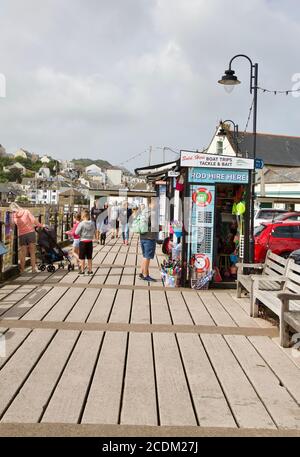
pixel 43 173
pixel 45 159
pixel 93 170
pixel 2 151
pixel 21 153
pixel 15 166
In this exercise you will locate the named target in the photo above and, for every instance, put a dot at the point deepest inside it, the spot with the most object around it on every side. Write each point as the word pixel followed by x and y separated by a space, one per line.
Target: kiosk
pixel 216 200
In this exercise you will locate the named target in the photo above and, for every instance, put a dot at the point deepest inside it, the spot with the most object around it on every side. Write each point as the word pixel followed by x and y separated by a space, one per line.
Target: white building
pixel 93 170
pixel 45 159
pixel 114 177
pixel 43 196
pixel 43 173
pixel 21 153
pixel 17 166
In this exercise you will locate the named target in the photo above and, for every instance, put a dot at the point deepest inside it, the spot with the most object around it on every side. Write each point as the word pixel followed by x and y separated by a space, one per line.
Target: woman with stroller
pixel 86 231
pixel 76 238
pixel 26 223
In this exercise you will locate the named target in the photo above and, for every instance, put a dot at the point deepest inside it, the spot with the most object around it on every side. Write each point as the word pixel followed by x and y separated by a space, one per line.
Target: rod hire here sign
pixel 200 160
pixel 211 175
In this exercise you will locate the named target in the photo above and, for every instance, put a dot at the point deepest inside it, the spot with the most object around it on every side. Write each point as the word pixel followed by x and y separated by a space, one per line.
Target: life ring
pixel 202 262
pixel 202 197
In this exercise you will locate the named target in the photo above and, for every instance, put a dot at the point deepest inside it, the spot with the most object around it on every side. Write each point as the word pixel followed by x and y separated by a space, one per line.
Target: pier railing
pixel 9 235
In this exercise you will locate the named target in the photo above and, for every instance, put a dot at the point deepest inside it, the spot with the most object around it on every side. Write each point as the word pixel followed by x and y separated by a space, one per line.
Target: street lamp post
pixel 229 79
pixel 222 132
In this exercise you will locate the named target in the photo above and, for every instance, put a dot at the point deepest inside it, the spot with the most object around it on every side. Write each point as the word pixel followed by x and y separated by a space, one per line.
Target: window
pixel 287 231
pixel 258 230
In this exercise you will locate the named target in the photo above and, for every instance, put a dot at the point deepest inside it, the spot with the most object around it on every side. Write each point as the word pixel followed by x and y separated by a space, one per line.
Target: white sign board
pixel 198 159
pixel 173 174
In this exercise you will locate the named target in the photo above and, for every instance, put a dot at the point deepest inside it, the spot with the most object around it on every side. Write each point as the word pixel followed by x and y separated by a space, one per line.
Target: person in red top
pixel 26 223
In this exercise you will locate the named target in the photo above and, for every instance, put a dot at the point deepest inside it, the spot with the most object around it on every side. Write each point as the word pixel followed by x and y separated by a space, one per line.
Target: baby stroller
pixel 50 252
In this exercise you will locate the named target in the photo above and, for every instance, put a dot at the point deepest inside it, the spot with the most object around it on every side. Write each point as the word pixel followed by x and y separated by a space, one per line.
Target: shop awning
pixel 156 170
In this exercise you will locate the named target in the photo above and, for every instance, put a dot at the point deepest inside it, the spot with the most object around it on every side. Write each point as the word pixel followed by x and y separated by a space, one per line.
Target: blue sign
pixel 258 164
pixel 213 175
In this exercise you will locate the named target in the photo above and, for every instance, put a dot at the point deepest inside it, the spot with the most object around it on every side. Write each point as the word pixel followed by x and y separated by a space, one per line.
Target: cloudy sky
pixel 108 78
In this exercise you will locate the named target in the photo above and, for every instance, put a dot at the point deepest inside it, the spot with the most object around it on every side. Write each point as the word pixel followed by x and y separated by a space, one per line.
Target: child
pixel 76 238
pixel 104 228
pixel 86 231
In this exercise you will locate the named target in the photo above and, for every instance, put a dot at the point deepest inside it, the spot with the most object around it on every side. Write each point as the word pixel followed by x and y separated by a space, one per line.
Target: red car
pixel 281 237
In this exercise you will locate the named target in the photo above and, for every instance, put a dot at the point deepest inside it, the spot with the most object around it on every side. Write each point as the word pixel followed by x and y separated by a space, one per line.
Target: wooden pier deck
pixel 109 355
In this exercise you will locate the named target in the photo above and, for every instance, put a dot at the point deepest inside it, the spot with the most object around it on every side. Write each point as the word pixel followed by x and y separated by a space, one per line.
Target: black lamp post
pixel 229 79
pixel 223 132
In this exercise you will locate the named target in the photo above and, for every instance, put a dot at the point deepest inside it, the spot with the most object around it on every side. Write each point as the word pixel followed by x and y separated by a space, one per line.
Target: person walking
pixel 86 231
pixel 76 238
pixel 124 216
pixel 114 220
pixel 148 241
pixel 103 224
pixel 26 223
pixel 95 211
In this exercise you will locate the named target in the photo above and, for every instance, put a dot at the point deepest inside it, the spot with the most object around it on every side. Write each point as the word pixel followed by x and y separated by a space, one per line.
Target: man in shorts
pixel 148 242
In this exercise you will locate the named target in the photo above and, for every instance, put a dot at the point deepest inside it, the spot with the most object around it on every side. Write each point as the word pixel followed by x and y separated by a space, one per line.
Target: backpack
pixel 140 224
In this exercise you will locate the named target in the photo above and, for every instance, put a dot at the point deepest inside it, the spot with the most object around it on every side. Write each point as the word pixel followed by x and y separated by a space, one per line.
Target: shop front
pixel 216 202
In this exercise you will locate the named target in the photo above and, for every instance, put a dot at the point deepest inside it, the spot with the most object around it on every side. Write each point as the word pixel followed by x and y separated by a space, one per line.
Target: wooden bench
pixel 274 267
pixel 290 318
pixel 285 303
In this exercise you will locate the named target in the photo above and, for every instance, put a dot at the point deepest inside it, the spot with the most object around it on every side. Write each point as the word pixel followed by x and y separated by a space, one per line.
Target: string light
pixel 275 92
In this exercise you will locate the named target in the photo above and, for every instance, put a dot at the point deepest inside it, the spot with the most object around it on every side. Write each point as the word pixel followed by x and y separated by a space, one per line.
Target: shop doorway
pixel 230 212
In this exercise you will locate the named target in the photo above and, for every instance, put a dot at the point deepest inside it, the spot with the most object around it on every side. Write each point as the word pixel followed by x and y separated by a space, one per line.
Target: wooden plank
pixel 284 368
pixel 103 306
pixel 83 306
pixel 281 406
pixel 39 311
pixel 19 366
pixel 216 310
pixel 64 305
pixel 128 276
pixel 27 303
pixel 114 276
pixel 103 402
pixel 122 307
pixel 131 259
pixel 178 308
pixel 237 313
pixel 159 308
pixel 198 311
pixel 140 313
pixel 68 398
pixel 175 406
pixel 13 339
pixel 100 276
pixel 28 406
pixel 139 399
pixel 14 297
pixel 246 406
pixel 210 403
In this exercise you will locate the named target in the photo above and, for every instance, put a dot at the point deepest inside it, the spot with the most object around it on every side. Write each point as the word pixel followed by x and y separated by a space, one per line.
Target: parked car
pixel 281 237
pixel 295 255
pixel 266 215
pixel 289 216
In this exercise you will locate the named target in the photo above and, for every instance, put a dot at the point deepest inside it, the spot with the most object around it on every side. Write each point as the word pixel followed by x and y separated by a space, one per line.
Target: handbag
pixel 3 248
